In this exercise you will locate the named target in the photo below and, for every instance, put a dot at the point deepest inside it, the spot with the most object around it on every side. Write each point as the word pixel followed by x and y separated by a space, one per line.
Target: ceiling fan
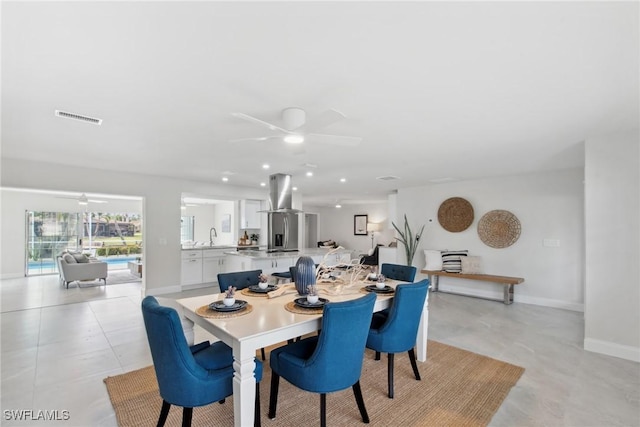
pixel 82 199
pixel 295 129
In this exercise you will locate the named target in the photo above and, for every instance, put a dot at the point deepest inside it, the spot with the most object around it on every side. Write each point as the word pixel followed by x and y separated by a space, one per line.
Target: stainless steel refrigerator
pixel 283 232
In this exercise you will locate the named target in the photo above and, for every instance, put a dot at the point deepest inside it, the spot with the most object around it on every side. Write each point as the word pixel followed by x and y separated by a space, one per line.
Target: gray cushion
pixel 80 258
pixel 69 259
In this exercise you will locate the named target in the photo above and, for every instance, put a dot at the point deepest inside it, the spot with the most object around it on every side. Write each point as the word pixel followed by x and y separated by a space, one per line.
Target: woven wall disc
pixel 499 229
pixel 455 214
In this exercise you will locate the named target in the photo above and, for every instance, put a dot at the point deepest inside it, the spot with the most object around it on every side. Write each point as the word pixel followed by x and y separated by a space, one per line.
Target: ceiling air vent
pixel 80 117
pixel 387 178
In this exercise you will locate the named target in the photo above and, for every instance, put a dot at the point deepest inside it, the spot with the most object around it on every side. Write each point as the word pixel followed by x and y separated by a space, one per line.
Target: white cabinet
pixel 201 266
pixel 191 271
pixel 249 213
pixel 272 265
pixel 213 262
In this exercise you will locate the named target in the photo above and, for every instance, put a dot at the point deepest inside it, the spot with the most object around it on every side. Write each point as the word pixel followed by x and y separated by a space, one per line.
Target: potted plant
pixel 229 296
pixel 312 294
pixel 254 238
pixel 408 239
pixel 263 281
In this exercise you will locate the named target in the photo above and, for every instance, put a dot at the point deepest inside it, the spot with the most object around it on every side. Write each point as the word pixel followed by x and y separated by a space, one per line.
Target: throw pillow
pixel 471 264
pixel 80 258
pixel 451 260
pixel 432 260
pixel 69 259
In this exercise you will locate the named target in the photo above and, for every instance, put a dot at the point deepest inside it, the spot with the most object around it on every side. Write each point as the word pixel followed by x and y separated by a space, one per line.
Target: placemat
pixel 292 307
pixel 249 293
pixel 364 290
pixel 205 311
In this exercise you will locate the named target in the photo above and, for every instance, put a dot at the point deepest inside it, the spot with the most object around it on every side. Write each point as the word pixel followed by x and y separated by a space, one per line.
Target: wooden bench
pixel 506 281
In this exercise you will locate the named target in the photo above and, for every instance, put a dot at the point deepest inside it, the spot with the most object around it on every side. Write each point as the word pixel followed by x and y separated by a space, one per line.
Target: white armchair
pixel 74 267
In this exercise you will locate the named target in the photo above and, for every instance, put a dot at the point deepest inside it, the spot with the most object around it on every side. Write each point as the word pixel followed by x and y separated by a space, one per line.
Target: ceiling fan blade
pixel 325 119
pixel 97 201
pixel 259 122
pixel 347 141
pixel 258 138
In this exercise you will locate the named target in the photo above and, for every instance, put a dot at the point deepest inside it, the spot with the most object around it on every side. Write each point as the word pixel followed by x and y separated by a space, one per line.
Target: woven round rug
pixel 205 311
pixel 292 307
pixel 499 229
pixel 455 214
pixel 248 292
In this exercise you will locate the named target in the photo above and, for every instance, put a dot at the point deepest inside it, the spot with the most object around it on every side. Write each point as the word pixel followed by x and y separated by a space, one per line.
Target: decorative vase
pixel 228 302
pixel 305 274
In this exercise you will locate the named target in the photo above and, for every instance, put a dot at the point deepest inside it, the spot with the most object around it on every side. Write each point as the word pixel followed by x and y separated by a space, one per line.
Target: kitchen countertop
pixel 205 247
pixel 261 254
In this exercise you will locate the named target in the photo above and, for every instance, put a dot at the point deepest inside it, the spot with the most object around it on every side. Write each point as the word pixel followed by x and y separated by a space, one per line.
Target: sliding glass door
pixel 48 234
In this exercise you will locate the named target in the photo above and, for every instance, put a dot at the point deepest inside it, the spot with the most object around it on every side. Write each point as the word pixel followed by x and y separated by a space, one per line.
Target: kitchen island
pixel 272 262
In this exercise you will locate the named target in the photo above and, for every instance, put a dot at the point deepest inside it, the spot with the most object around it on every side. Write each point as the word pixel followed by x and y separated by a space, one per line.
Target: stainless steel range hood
pixel 281 194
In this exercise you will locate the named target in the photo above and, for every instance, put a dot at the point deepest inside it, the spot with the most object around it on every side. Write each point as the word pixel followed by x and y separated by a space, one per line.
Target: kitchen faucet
pixel 212 233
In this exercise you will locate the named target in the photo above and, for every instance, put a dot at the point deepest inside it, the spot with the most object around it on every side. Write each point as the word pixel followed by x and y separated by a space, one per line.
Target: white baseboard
pixel 612 349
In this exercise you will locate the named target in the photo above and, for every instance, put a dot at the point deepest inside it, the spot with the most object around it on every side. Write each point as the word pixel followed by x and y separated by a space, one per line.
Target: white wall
pixel 548 205
pixel 612 213
pixel 161 210
pixel 337 224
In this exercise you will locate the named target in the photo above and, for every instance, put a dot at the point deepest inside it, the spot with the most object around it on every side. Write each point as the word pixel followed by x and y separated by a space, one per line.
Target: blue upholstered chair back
pixel 399 332
pixel 239 280
pixel 403 273
pixel 182 381
pixel 336 362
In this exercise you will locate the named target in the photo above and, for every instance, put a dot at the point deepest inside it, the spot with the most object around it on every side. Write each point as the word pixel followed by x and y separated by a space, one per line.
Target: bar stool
pixel 282 277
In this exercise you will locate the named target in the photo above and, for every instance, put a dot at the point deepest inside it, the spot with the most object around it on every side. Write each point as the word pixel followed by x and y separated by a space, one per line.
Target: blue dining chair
pixel 329 362
pixel 240 280
pixel 402 273
pixel 396 331
pixel 188 376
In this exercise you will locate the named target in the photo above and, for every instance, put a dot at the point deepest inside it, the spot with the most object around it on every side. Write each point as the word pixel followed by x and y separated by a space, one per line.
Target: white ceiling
pixel 436 90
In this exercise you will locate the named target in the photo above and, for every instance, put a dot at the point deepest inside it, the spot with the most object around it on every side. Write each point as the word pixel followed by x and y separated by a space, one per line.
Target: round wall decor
pixel 455 214
pixel 499 229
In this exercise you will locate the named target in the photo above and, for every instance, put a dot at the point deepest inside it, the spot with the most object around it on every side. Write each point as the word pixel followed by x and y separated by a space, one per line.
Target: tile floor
pixel 58 345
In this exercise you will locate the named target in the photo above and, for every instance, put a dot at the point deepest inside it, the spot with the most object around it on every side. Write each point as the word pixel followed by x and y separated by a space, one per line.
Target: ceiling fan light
pixel 294 139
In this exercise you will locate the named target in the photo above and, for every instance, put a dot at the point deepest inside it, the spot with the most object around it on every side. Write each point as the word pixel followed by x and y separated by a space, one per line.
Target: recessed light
pixel 265 166
pixel 294 139
pixel 338 205
pixel 263 184
pixel 309 173
pixel 295 188
pixel 343 179
pixel 225 179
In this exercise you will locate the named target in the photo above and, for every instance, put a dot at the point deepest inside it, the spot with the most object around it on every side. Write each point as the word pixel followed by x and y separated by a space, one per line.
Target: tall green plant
pixel 408 239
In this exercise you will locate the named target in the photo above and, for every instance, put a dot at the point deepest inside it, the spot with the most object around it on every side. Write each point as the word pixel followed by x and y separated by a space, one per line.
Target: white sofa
pixel 73 266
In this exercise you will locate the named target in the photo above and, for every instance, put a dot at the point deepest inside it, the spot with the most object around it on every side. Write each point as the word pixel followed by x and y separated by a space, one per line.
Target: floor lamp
pixel 373 227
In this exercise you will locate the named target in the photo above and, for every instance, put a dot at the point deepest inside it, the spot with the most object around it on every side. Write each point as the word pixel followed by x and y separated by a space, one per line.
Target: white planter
pixel 229 301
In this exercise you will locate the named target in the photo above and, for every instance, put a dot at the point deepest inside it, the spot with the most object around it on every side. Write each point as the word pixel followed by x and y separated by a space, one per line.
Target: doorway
pixel 310 230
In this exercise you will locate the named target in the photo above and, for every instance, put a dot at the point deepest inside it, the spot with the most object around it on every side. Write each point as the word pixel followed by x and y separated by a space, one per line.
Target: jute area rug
pixel 458 388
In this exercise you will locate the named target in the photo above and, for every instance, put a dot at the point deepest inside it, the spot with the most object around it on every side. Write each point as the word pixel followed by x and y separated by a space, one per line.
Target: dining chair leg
pixel 164 412
pixel 414 365
pixel 390 374
pixel 357 392
pixel 262 353
pixel 377 355
pixel 221 401
pixel 323 410
pixel 187 414
pixel 256 415
pixel 273 399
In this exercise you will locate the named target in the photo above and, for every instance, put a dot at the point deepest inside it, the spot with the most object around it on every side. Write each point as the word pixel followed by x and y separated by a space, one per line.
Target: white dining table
pixel 270 323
